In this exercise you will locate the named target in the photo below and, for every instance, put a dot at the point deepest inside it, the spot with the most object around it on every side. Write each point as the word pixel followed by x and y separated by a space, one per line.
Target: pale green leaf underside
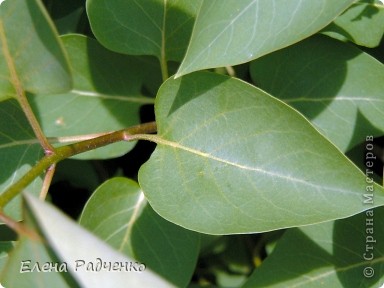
pixel 362 23
pixel 232 159
pixel 106 96
pixel 144 27
pixel 34 50
pixel 25 255
pixel 243 30
pixel 19 151
pixel 118 213
pixel 339 88
pixel 327 255
pixel 61 239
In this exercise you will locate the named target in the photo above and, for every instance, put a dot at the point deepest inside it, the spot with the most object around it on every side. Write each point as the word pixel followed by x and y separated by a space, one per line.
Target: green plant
pixel 261 149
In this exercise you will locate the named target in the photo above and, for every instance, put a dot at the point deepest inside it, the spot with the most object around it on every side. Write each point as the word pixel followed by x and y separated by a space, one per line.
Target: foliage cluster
pixel 256 172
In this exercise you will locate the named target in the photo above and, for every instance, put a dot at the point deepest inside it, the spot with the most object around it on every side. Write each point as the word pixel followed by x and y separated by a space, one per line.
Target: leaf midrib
pixel 161 141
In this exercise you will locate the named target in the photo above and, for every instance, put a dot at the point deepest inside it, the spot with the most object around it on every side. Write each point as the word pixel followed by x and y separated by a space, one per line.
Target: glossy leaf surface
pixel 243 30
pixel 145 27
pixel 232 159
pixel 118 213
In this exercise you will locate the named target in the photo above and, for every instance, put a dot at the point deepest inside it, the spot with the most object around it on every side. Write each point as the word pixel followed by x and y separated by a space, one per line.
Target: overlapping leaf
pixel 30 255
pixel 144 27
pixel 19 151
pixel 232 159
pixel 70 244
pixel 106 95
pixel 330 255
pixel 339 88
pixel 362 23
pixel 243 30
pixel 29 46
pixel 118 213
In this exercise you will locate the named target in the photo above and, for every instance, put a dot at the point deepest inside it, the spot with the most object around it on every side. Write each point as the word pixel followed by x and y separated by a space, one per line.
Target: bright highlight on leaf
pixel 88 248
pixel 232 159
pixel 243 30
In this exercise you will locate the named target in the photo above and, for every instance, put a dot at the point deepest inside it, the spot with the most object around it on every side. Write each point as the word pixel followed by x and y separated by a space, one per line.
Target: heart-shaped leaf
pixel 340 88
pixel 232 159
pixel 31 57
pixel 243 30
pixel 118 213
pixel 144 27
pixel 334 254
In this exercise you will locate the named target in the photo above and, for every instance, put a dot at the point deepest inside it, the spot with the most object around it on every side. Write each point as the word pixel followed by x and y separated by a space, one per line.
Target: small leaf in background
pixel 34 51
pixel 243 30
pixel 19 151
pixel 60 240
pixel 118 213
pixel 340 88
pixel 144 27
pixel 106 96
pixel 362 23
pixel 232 159
pixel 69 16
pixel 327 255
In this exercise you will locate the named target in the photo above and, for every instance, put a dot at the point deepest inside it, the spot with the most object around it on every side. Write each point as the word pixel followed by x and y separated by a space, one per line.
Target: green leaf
pixel 144 27
pixel 118 213
pixel 328 255
pixel 362 23
pixel 68 15
pixel 5 248
pixel 26 255
pixel 243 30
pixel 339 88
pixel 106 96
pixel 87 253
pixel 19 151
pixel 232 159
pixel 29 47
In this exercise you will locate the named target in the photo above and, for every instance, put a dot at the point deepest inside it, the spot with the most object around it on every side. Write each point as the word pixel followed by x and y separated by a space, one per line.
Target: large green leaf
pixel 144 27
pixel 339 88
pixel 29 47
pixel 106 95
pixel 232 159
pixel 19 151
pixel 118 213
pixel 362 23
pixel 26 255
pixel 81 252
pixel 327 255
pixel 243 30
